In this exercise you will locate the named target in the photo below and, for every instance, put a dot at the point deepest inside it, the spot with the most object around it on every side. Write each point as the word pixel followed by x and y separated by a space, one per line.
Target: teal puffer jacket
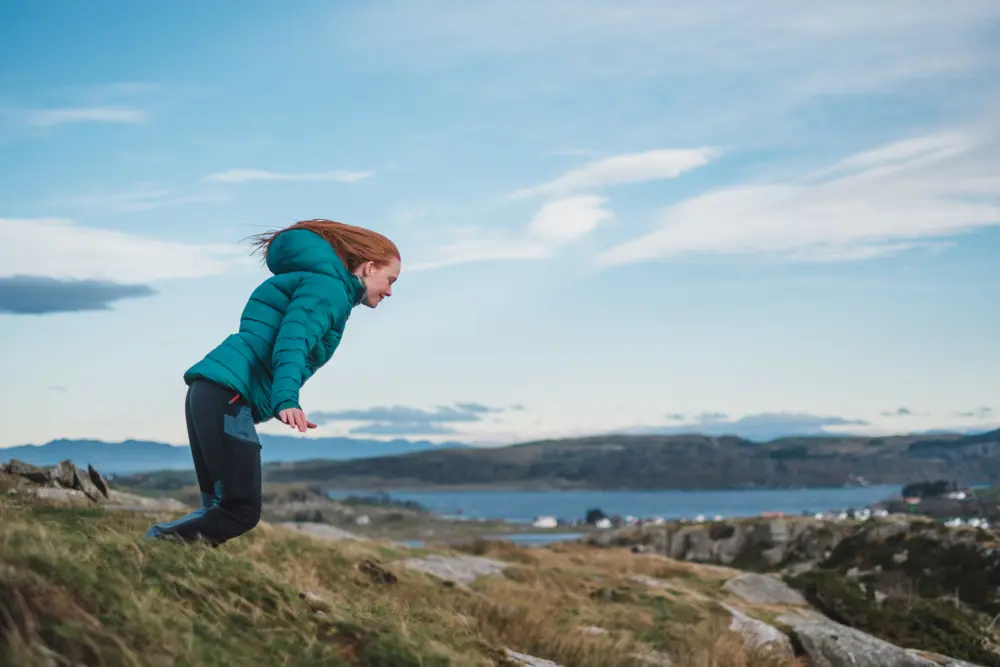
pixel 290 327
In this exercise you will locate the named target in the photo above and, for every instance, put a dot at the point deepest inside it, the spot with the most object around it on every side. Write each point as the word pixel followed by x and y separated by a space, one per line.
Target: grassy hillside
pixel 80 586
pixel 672 462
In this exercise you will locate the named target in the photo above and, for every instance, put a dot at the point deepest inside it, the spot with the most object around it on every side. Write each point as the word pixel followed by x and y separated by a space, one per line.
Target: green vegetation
pixel 82 586
pixel 156 482
pixel 933 560
pixel 909 621
pixel 991 494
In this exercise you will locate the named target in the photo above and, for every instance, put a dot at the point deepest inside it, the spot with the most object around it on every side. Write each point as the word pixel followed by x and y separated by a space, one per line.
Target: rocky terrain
pixel 65 482
pixel 79 585
pixel 906 579
pixel 984 504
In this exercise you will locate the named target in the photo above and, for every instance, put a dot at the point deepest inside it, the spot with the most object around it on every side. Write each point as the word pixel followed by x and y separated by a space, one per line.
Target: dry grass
pixel 82 586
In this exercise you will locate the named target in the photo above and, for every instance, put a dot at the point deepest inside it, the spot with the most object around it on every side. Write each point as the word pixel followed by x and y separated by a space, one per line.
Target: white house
pixel 545 522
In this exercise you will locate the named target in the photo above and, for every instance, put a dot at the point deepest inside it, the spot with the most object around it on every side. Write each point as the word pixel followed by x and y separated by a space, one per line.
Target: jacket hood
pixel 302 250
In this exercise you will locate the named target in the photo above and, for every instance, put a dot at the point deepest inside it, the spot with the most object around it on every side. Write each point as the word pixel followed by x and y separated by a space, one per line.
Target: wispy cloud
pixel 621 169
pixel 979 413
pixel 729 68
pixel 53 117
pixel 386 428
pixel 61 249
pixel 41 295
pixel 760 426
pixel 144 197
pixel 828 48
pixel 483 247
pixel 403 420
pixel 908 194
pixel 555 224
pixel 566 219
pixel 898 412
pixel 248 175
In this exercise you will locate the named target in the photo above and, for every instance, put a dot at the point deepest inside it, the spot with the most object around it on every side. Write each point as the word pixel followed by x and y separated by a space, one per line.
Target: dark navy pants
pixel 226 453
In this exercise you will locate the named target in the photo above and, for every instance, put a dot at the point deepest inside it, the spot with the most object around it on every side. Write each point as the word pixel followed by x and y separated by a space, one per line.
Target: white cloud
pixel 246 175
pixel 620 169
pixel 53 117
pixel 555 224
pixel 58 248
pixel 906 194
pixel 567 219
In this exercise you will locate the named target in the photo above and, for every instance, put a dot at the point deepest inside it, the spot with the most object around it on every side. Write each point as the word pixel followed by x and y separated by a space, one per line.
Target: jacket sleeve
pixel 310 314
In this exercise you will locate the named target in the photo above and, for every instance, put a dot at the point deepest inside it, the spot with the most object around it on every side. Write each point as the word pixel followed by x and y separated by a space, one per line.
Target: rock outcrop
pixel 321 531
pixel 66 482
pixel 65 475
pixel 457 569
pixel 830 644
pixel 763 589
pixel 906 581
pixel 758 634
pixel 755 544
pixel 783 543
pixel 526 660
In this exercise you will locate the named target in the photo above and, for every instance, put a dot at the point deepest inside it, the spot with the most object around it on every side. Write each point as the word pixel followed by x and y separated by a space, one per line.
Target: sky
pixel 639 216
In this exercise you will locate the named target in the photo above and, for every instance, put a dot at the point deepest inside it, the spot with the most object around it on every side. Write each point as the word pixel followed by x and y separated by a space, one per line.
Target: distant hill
pixel 141 456
pixel 672 462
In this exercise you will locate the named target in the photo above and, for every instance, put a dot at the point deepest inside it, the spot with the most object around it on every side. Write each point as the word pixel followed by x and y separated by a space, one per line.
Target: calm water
pixel 524 506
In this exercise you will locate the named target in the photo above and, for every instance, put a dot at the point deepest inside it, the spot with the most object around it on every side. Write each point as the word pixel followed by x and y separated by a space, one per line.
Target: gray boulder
pixel 830 644
pixel 529 660
pixel 759 634
pixel 459 569
pixel 763 589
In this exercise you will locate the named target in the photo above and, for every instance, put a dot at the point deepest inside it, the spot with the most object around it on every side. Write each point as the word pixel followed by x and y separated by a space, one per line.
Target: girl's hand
pixel 295 418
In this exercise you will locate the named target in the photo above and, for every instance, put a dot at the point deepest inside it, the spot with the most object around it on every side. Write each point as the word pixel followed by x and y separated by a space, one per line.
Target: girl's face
pixel 378 280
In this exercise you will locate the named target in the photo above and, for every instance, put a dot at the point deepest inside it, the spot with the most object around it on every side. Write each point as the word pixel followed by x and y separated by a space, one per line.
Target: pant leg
pixel 209 489
pixel 230 448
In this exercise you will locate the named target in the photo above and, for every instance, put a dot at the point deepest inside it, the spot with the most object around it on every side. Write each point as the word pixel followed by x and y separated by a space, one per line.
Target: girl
pixel 289 329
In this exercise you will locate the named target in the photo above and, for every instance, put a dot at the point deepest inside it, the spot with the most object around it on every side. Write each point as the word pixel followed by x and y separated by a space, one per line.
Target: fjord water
pixel 524 506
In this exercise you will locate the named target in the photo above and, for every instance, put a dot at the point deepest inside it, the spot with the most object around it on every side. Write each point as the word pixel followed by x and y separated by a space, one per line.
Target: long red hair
pixel 354 245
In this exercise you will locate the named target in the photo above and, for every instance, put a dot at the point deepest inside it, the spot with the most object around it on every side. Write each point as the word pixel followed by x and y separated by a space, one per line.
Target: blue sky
pixel 633 217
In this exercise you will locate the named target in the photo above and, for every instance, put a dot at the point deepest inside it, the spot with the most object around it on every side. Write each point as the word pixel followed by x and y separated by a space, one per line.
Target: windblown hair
pixel 354 245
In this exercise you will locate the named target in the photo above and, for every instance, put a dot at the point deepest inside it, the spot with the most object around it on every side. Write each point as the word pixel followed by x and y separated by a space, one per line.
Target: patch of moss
pixel 911 622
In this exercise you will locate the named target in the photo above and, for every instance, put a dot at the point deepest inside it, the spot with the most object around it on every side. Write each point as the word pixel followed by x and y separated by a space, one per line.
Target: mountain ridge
pixel 650 462
pixel 130 456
